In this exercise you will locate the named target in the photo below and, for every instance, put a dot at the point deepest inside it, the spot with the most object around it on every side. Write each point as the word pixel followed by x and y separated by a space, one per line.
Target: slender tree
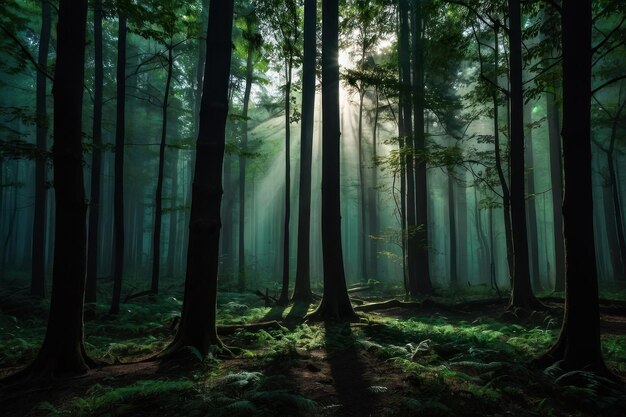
pixel 197 325
pixel 96 158
pixel 38 259
pixel 302 290
pixel 521 291
pixel 335 304
pixel 118 198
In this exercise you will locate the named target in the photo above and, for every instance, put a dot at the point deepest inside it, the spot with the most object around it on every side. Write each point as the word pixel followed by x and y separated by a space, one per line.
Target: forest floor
pixel 448 358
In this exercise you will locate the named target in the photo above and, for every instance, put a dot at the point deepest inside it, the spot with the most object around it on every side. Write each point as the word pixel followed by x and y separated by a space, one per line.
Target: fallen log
pixel 383 305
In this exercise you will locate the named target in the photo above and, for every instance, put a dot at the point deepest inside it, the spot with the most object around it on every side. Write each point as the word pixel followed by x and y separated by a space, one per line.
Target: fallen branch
pixel 137 295
pixel 232 328
pixel 388 304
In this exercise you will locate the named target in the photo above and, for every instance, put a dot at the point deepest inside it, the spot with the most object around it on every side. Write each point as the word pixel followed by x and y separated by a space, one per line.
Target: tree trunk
pixel 452 229
pixel 242 163
pixel 362 203
pixel 335 304
pixel 172 245
pixel 406 131
pixel 158 206
pixel 284 293
pixel 96 158
pixel 578 346
pixel 373 194
pixel 118 198
pixel 63 349
pixel 424 285
pixel 531 202
pixel 197 325
pixel 302 289
pixel 521 291
pixel 38 260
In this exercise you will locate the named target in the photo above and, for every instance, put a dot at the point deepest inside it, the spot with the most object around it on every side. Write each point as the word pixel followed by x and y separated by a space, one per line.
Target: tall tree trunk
pixel 242 162
pixel 614 184
pixel 362 203
pixel 38 260
pixel 553 114
pixel 172 246
pixel 521 291
pixel 452 228
pixel 302 289
pixel 284 293
pixel 197 325
pixel 424 285
pixel 406 131
pixel 578 346
pixel 63 349
pixel 335 304
pixel 96 158
pixel 506 195
pixel 118 198
pixel 158 206
pixel 373 193
pixel 531 202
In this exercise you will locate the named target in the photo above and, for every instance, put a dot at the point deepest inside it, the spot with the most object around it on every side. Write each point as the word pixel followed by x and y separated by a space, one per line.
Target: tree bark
pixel 452 228
pixel 197 327
pixel 531 202
pixel 302 290
pixel 38 259
pixel 284 293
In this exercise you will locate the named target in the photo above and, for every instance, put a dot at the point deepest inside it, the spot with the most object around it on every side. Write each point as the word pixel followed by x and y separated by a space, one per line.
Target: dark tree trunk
pixel 531 202
pixel 614 183
pixel 578 346
pixel 556 176
pixel 424 285
pixel 96 158
pixel 284 293
pixel 302 289
pixel 118 198
pixel 38 260
pixel 521 291
pixel 335 304
pixel 452 228
pixel 373 194
pixel 158 206
pixel 362 203
pixel 506 195
pixel 172 245
pixel 63 348
pixel 406 131
pixel 242 162
pixel 197 325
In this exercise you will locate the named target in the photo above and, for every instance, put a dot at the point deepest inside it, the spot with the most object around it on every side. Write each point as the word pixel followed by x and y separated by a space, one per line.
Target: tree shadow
pixel 275 313
pixel 348 371
pixel 298 311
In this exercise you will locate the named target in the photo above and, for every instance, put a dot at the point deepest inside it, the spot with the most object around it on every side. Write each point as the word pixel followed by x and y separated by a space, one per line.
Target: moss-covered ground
pixel 466 361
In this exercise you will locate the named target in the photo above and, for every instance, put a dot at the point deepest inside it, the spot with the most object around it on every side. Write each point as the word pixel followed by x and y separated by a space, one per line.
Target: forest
pixel 312 208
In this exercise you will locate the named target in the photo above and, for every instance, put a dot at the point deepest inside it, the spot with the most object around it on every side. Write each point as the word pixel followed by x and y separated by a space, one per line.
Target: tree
pixel 335 304
pixel 253 40
pixel 302 290
pixel 118 198
pixel 578 346
pixel 63 349
pixel 38 271
pixel 197 327
pixel 96 158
